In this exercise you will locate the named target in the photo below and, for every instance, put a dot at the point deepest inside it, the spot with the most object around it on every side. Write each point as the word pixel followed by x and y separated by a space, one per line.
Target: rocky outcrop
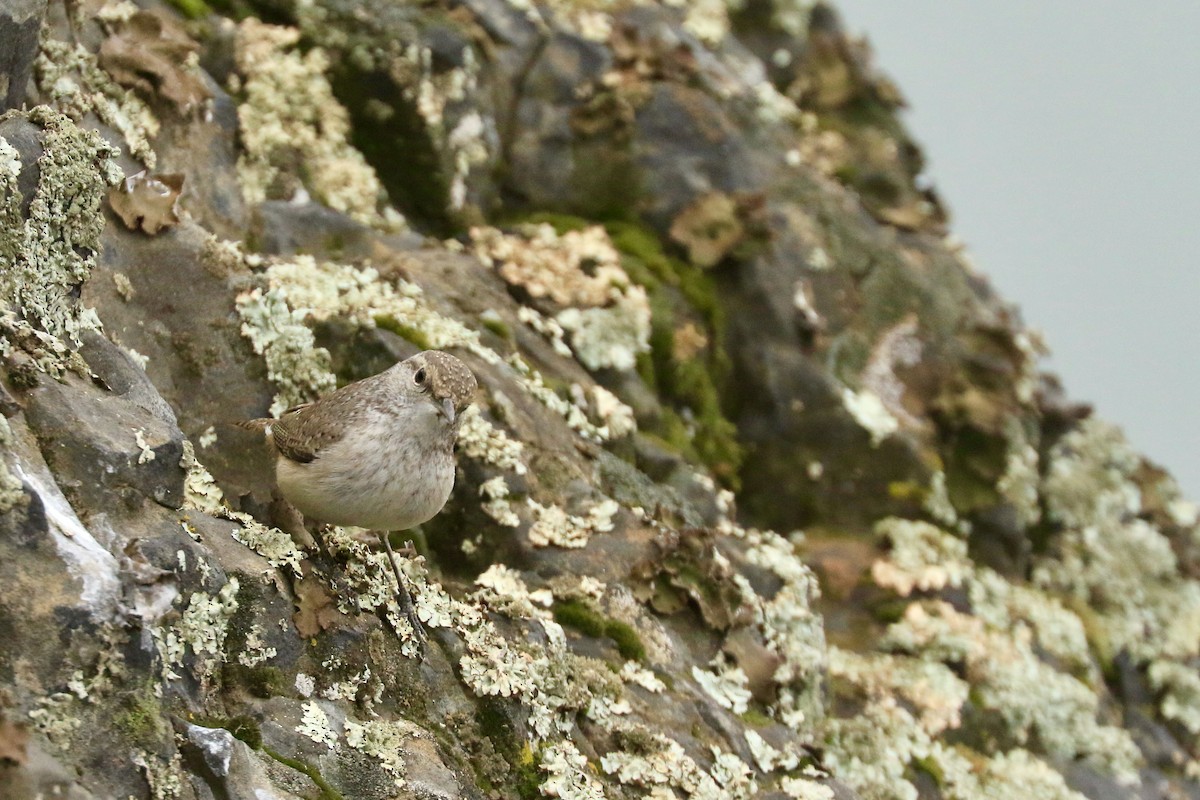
pixel 685 249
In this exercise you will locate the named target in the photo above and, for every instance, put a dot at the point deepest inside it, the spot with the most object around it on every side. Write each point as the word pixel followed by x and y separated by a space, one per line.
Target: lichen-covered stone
pixel 692 260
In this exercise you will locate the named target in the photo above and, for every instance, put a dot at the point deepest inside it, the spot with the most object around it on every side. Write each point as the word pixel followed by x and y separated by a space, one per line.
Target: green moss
pixel 243 727
pixel 192 9
pixel 140 719
pixel 497 327
pixel 260 681
pixel 629 644
pixel 562 223
pixel 327 791
pixel 406 332
pixel 497 726
pixel 680 292
pixel 397 144
pixel 579 616
pixel 756 718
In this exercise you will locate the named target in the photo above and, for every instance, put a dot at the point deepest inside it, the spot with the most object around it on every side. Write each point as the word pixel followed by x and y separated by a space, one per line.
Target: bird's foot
pixel 404 596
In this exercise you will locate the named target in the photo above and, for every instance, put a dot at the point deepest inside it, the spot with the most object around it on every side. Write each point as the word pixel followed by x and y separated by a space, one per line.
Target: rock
pixel 20 22
pixel 779 336
pixel 107 448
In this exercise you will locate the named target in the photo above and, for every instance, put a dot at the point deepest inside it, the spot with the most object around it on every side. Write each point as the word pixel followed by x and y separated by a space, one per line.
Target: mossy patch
pixel 693 387
pixel 498 727
pixel 260 681
pixel 406 332
pixel 327 792
pixel 580 616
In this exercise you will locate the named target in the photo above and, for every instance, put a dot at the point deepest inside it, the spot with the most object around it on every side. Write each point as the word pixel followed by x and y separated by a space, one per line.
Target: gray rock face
pixel 684 249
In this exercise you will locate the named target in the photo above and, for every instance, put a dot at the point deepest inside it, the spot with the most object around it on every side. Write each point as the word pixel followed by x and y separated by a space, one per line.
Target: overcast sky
pixel 1065 137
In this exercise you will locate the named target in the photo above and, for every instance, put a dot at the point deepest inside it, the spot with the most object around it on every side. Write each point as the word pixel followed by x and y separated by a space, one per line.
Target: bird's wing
pixel 305 430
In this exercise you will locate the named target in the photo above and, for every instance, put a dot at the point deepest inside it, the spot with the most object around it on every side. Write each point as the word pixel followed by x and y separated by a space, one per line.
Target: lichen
pixel 479 439
pixel 289 117
pixel 314 724
pixel 381 740
pixel 922 556
pixel 12 490
pixel 726 684
pixel 869 411
pixel 203 628
pixel 76 85
pixel 567 774
pixel 554 526
pixel 579 275
pixel 666 764
pixel 47 254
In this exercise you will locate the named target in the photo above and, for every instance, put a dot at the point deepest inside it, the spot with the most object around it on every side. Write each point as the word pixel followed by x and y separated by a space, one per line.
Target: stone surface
pixel 977 588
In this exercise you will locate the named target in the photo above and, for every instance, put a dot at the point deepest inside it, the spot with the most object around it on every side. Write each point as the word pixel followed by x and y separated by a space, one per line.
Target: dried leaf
pixel 709 228
pixel 315 609
pixel 147 201
pixel 154 57
pixel 13 740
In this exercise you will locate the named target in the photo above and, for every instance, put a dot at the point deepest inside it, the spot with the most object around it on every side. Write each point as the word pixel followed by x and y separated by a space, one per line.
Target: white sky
pixel 1065 138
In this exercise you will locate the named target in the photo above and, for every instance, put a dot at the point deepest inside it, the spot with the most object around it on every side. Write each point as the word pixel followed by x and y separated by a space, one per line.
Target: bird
pixel 377 453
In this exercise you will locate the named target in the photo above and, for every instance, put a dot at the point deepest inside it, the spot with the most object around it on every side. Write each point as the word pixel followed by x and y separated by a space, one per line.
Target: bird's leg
pixel 403 595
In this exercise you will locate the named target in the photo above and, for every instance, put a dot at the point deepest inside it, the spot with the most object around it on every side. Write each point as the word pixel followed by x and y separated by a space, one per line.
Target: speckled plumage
pixel 377 453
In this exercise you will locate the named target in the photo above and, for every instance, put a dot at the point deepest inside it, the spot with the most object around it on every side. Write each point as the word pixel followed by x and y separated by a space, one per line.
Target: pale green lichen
pixel 922 556
pixel 869 411
pixel 314 724
pixel 1179 686
pixel 1109 558
pixel 496 505
pixel 289 117
pixel 668 765
pixel 202 628
pixel 554 526
pixel 481 440
pixel 12 490
pixel 299 369
pixel 164 778
pixel 47 254
pixel 567 774
pixel 726 684
pixel 580 274
pixel 382 741
pixel 76 85
pixel 792 628
pixel 1031 698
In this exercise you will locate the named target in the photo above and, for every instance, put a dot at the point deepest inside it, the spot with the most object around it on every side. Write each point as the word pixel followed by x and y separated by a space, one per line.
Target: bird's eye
pixel 419 377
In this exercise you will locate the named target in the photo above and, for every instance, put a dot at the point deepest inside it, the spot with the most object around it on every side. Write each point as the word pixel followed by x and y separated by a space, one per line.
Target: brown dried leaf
pixel 315 609
pixel 13 740
pixel 709 228
pixel 154 57
pixel 147 201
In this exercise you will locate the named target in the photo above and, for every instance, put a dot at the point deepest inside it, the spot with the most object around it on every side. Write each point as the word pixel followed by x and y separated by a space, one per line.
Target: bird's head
pixel 441 378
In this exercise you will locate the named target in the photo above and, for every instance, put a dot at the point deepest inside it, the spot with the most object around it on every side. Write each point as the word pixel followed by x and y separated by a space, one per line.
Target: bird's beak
pixel 447 410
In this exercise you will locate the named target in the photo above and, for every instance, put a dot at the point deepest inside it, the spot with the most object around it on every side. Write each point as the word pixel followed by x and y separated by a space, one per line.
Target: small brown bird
pixel 378 453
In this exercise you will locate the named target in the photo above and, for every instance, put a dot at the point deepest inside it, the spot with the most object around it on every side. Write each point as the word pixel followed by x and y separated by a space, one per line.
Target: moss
pixel 756 718
pixel 260 681
pixel 629 644
pixel 243 727
pixel 327 791
pixel 498 327
pixel 497 726
pixel 579 616
pixel 192 9
pixel 680 292
pixel 406 332
pixel 397 144
pixel 140 719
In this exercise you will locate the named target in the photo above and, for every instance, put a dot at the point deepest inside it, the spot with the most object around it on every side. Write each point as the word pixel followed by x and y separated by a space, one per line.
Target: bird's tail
pixel 262 425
